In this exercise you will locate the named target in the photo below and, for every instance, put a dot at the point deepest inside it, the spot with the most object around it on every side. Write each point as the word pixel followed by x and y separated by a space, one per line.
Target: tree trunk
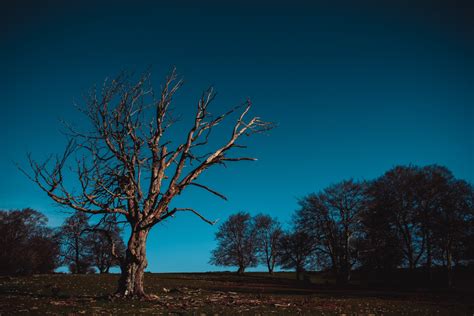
pixel 449 268
pixel 241 270
pixel 347 268
pixel 133 268
pixel 270 267
pixel 429 261
pixel 298 274
pixel 343 277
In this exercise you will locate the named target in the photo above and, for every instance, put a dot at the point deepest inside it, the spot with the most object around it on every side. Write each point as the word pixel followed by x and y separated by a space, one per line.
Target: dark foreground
pixel 220 293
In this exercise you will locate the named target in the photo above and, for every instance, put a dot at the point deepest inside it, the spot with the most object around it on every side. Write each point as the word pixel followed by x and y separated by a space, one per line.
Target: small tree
pixel 123 161
pixel 296 249
pixel 107 246
pixel 236 243
pixel 267 235
pixel 76 243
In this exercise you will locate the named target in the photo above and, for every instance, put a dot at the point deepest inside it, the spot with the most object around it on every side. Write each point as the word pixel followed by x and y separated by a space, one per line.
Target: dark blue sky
pixel 355 88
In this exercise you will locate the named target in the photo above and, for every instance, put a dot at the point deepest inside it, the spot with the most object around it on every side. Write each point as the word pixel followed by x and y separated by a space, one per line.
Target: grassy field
pixel 220 293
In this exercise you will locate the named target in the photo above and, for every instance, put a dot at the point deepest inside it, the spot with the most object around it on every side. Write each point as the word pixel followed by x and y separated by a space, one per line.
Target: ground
pixel 220 293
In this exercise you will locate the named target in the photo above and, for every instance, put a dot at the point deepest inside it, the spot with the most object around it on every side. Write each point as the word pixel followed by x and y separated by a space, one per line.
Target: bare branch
pixel 193 211
pixel 122 163
pixel 209 189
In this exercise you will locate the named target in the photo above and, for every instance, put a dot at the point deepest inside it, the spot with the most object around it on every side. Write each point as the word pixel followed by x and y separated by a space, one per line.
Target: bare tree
pixel 267 232
pixel 453 221
pixel 236 243
pixel 332 218
pixel 76 243
pixel 296 250
pixel 125 165
pixel 397 195
pixel 107 246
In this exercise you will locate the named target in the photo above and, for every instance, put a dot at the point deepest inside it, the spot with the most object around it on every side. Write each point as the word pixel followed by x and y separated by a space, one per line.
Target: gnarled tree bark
pixel 134 265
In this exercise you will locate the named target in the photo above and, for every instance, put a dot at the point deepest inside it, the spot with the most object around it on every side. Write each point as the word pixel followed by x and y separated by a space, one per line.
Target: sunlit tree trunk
pixel 131 279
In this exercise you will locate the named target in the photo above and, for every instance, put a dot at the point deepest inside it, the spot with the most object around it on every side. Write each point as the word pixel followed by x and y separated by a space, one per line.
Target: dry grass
pixel 218 293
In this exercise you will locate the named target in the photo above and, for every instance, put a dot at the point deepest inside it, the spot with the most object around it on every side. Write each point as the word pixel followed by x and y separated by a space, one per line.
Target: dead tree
pixel 126 165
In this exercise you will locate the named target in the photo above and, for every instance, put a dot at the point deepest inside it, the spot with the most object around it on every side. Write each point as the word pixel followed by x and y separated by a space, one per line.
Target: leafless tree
pixel 107 246
pixel 267 233
pixel 332 218
pixel 236 243
pixel 397 195
pixel 296 250
pixel 76 243
pixel 126 165
pixel 453 221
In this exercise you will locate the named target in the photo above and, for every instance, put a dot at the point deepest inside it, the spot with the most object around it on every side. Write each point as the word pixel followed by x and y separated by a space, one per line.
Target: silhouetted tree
pixel 76 243
pixel 27 246
pixel 380 249
pixel 236 243
pixel 296 250
pixel 424 212
pixel 396 194
pixel 267 235
pixel 453 221
pixel 107 246
pixel 432 190
pixel 123 161
pixel 332 219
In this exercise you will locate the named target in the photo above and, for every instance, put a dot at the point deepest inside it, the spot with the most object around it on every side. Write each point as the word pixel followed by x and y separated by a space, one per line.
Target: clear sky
pixel 355 88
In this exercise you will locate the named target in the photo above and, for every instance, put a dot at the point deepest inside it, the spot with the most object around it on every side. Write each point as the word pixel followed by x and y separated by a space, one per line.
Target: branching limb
pixel 173 211
pixel 209 189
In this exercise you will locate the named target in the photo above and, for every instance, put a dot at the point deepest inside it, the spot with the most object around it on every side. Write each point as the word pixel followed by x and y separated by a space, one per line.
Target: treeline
pixel 28 246
pixel 411 217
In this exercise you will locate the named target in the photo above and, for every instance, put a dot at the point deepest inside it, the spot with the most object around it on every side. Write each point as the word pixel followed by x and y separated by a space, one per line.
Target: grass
pixel 220 293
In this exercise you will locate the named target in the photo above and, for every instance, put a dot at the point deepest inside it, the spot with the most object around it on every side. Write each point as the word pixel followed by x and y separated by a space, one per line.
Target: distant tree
pixel 467 245
pixel 76 243
pixel 27 245
pixel 453 222
pixel 423 212
pixel 332 219
pixel 267 235
pixel 236 243
pixel 296 250
pixel 127 164
pixel 380 249
pixel 107 246
pixel 396 195
pixel 432 192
